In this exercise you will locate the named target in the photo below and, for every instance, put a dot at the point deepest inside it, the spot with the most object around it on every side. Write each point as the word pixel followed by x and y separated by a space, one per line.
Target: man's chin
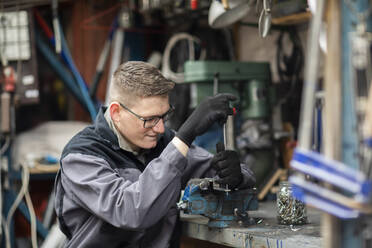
pixel 149 145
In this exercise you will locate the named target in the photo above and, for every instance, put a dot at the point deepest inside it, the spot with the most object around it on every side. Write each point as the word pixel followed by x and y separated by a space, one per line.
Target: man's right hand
pixel 212 109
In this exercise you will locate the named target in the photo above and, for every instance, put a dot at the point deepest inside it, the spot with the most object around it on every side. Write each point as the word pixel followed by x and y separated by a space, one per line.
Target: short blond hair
pixel 137 79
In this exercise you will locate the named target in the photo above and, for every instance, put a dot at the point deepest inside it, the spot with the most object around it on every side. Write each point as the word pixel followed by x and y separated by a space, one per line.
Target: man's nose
pixel 159 127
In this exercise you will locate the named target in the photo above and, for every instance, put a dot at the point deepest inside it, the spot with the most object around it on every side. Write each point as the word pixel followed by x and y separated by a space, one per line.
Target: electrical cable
pixel 79 79
pixel 292 64
pixel 25 174
pixel 229 43
pixel 66 56
pixel 32 212
pixel 23 193
pixel 59 68
pixel 178 77
pixel 24 188
pixel 17 201
pixel 5 146
pixel 3 149
pixel 6 231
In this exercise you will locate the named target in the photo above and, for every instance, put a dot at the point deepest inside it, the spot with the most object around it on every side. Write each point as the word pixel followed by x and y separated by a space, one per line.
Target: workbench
pixel 266 234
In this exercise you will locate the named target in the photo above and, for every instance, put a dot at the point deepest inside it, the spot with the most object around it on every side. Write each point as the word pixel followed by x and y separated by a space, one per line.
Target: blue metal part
pixel 222 208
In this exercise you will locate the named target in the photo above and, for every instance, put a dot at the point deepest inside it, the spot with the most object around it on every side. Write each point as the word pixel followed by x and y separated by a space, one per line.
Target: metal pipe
pixel 57 66
pixel 311 78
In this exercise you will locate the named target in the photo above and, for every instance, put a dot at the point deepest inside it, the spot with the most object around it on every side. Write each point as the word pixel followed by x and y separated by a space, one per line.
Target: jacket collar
pixel 103 129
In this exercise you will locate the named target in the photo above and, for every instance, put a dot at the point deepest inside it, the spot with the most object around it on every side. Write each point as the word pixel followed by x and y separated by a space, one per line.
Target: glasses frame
pixel 171 109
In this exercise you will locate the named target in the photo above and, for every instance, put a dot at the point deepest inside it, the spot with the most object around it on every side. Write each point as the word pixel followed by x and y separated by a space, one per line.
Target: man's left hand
pixel 227 165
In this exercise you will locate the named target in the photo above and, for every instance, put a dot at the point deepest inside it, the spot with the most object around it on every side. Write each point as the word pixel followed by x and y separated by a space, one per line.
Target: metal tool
pixel 228 140
pixel 206 197
pixel 264 22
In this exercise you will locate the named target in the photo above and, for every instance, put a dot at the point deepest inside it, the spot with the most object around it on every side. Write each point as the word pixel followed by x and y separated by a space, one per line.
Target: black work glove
pixel 212 109
pixel 227 165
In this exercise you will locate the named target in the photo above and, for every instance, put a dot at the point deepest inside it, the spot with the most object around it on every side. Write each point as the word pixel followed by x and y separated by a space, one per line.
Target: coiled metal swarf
pixel 290 210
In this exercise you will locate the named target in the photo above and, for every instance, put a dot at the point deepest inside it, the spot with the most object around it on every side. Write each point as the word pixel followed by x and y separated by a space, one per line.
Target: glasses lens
pixel 152 122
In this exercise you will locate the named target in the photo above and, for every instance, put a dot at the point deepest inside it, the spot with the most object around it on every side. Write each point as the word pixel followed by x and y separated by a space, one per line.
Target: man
pixel 120 179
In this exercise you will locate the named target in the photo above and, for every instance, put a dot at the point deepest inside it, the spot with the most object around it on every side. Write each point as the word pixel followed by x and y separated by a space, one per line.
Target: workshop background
pixel 301 70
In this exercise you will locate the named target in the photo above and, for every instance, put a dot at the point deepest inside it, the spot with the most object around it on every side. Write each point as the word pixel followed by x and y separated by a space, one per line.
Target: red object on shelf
pixel 194 4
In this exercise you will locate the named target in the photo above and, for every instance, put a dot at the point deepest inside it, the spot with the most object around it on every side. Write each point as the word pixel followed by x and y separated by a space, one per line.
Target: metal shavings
pixel 290 210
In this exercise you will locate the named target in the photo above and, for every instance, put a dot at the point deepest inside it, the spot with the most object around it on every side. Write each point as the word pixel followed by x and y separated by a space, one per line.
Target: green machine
pixel 251 83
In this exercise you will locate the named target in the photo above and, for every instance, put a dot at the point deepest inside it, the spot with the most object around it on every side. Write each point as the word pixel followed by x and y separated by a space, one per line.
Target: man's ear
pixel 114 109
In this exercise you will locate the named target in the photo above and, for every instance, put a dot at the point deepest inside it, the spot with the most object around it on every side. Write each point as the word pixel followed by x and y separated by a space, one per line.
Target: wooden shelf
pixel 42 169
pixel 292 19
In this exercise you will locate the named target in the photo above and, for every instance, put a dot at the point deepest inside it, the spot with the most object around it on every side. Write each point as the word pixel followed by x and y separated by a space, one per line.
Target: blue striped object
pixel 331 171
pixel 321 198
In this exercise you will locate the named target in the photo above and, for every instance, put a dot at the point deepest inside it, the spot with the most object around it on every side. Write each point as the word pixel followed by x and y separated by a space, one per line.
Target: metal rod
pixel 311 78
pixel 228 133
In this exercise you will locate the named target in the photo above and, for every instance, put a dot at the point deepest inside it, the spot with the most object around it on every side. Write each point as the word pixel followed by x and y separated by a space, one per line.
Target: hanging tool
pixel 264 22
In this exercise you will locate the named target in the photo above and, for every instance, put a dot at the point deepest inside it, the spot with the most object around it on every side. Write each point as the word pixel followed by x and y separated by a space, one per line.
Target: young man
pixel 120 179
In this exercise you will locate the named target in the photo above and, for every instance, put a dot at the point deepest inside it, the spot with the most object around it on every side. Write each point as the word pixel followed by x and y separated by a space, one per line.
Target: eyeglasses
pixel 151 121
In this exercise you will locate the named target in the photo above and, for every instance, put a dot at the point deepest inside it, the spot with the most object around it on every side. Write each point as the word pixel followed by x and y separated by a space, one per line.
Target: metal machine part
pixel 206 197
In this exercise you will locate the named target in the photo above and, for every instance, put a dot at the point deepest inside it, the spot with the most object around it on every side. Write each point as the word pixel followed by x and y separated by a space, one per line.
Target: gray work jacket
pixel 107 197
